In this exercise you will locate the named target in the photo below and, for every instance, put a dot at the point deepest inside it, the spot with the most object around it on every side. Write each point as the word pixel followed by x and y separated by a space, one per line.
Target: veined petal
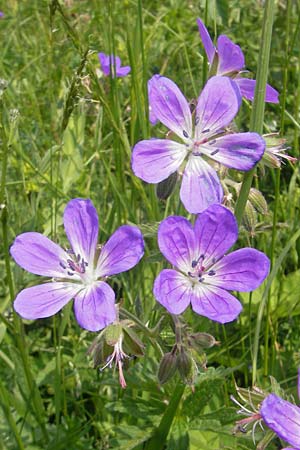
pixel 239 151
pixel 176 241
pixel 154 160
pixel 217 105
pixel 231 57
pixel 169 105
pixel 242 270
pixel 215 303
pixel 206 41
pixel 81 225
pixel 247 88
pixel 45 300
pixel 200 185
pixel 95 306
pixel 172 290
pixel 216 231
pixel 39 255
pixel 283 418
pixel 122 251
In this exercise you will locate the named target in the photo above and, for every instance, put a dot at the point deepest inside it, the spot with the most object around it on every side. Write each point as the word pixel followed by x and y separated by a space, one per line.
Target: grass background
pixel 65 133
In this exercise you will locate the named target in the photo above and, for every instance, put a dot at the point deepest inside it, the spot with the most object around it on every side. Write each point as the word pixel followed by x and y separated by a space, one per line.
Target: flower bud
pixel 198 341
pixel 184 364
pixel 167 367
pixel 250 218
pixel 258 201
pixel 165 188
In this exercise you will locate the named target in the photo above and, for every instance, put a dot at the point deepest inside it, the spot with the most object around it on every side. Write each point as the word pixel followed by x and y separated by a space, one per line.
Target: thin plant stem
pixel 257 114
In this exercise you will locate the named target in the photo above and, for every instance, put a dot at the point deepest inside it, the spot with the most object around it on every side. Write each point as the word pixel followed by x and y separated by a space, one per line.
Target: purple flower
pixel 76 273
pixel 111 62
pixel 283 418
pixel 1 14
pixel 229 59
pixel 202 274
pixel 155 160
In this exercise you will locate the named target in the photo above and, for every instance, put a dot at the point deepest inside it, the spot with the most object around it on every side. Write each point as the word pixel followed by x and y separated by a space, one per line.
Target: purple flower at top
pixel 283 418
pixel 1 14
pixel 154 160
pixel 202 275
pixel 229 60
pixel 111 62
pixel 79 272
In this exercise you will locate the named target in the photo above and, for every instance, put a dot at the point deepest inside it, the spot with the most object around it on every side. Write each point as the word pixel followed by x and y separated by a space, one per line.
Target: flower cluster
pixel 202 272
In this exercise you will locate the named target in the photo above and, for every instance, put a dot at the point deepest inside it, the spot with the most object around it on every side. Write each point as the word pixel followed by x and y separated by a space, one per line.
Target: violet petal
pixel 172 290
pixel 154 160
pixel 283 418
pixel 95 306
pixel 123 71
pixel 122 251
pixel 105 63
pixel 39 255
pixel 247 88
pixel 217 105
pixel 200 185
pixel 44 300
pixel 170 107
pixel 231 57
pixel 242 270
pixel 176 241
pixel 206 41
pixel 81 225
pixel 215 303
pixel 239 151
pixel 216 231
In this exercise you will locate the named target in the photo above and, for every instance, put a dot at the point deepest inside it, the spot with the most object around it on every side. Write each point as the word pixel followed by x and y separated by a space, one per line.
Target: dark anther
pixel 191 275
pixel 194 263
pixel 62 265
pixel 212 142
pixel 70 273
pixel 185 134
pixel 206 131
pixel 197 120
pixel 211 273
pixel 201 279
pixel 196 153
pixel 215 152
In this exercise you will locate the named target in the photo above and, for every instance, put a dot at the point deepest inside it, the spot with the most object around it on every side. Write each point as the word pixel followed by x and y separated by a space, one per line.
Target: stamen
pixel 211 273
pixel 207 130
pixel 212 142
pixel 62 265
pixel 185 134
pixel 215 152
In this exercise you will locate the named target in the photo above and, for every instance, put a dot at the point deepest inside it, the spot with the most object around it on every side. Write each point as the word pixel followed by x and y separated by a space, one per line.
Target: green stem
pixel 5 403
pixel 159 437
pixel 262 304
pixel 257 115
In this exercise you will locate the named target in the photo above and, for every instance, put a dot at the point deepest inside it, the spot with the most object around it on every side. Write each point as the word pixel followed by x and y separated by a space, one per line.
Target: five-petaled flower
pixel 202 275
pixel 154 160
pixel 283 418
pixel 79 272
pixel 111 64
pixel 228 59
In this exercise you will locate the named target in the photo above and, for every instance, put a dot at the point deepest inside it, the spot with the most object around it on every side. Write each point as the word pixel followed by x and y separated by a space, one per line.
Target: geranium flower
pixel 228 59
pixel 283 418
pixel 79 272
pixel 202 275
pixel 155 160
pixel 111 62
